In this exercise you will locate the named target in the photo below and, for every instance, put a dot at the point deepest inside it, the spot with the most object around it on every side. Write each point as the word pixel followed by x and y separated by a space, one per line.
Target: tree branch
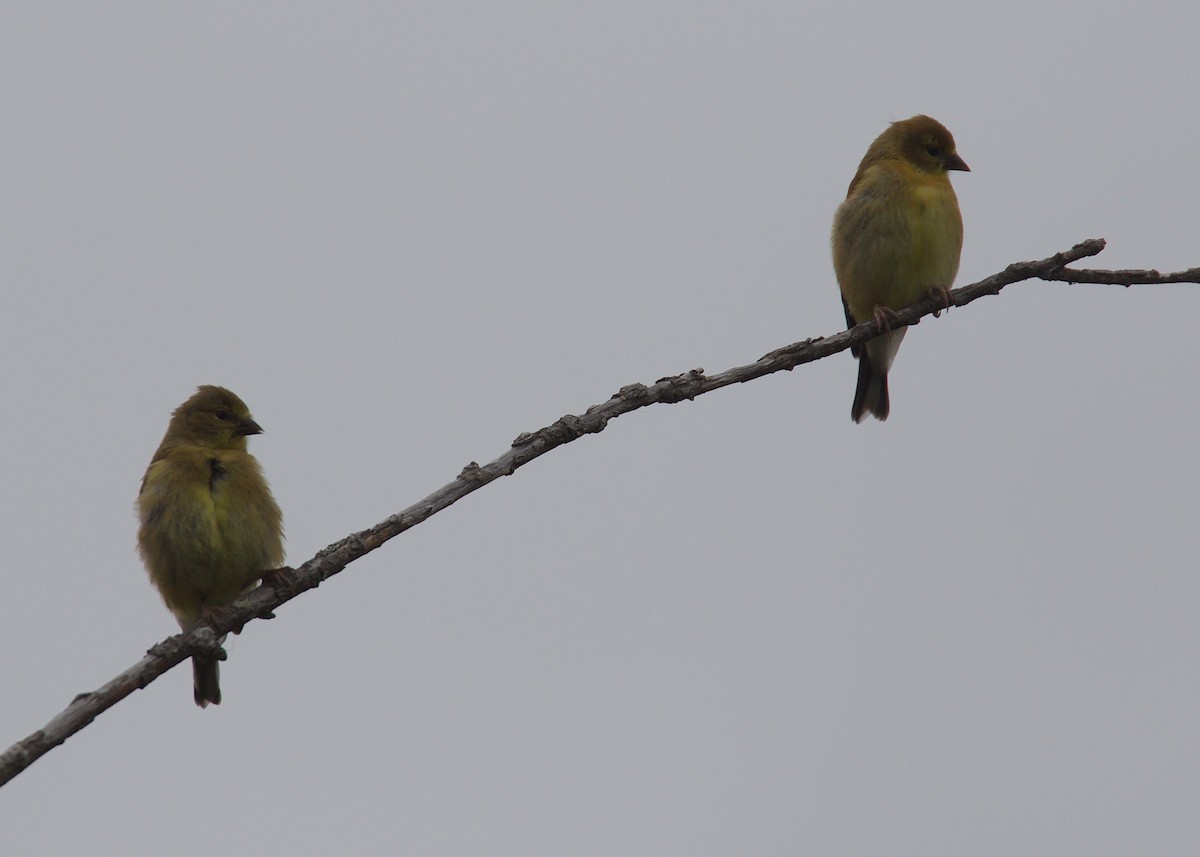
pixel 1125 277
pixel 281 587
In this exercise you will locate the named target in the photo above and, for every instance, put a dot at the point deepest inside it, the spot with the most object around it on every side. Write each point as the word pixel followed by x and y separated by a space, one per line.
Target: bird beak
pixel 954 162
pixel 248 426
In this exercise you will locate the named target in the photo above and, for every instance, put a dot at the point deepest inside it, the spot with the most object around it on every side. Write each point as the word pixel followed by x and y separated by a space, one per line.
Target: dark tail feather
pixel 871 396
pixel 206 679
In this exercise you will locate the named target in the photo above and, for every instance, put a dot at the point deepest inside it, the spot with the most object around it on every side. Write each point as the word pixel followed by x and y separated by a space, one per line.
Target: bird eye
pixel 222 414
pixel 933 151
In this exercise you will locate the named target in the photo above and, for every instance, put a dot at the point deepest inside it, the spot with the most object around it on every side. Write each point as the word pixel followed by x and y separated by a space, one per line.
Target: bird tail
pixel 206 674
pixel 871 395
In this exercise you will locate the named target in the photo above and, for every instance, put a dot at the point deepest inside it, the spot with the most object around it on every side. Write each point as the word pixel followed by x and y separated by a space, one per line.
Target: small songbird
pixel 897 238
pixel 209 525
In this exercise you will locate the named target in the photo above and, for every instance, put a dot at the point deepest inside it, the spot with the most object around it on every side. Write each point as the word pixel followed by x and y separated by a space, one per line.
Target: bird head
pixel 926 144
pixel 213 417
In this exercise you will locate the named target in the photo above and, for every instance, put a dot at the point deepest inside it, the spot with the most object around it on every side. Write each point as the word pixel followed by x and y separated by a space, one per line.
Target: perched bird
pixel 896 239
pixel 209 525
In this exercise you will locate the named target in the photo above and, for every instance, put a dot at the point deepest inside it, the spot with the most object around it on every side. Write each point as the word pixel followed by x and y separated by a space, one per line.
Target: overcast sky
pixel 405 233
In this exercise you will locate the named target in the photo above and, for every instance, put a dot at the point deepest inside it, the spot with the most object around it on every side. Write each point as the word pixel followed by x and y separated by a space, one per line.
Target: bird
pixel 209 525
pixel 897 238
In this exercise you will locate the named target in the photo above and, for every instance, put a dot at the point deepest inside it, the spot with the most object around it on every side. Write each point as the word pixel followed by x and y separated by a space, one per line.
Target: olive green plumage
pixel 897 238
pixel 209 525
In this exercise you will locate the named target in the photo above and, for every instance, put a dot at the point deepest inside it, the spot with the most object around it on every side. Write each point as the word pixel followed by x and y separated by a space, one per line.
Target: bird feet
pixel 283 581
pixel 943 296
pixel 885 317
pixel 218 616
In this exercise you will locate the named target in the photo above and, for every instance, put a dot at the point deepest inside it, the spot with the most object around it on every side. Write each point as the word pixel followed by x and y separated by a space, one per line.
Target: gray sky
pixel 741 625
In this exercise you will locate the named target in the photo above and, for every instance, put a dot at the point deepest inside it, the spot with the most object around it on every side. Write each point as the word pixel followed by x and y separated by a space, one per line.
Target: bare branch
pixel 1125 277
pixel 286 584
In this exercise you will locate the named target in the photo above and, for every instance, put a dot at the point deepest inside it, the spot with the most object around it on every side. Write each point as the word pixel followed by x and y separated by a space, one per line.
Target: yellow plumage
pixel 209 525
pixel 897 238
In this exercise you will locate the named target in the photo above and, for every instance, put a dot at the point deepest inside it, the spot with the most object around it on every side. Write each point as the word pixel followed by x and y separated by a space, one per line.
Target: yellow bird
pixel 897 238
pixel 209 525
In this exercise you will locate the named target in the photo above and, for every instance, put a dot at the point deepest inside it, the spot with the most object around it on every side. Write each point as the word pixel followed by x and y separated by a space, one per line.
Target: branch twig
pixel 530 445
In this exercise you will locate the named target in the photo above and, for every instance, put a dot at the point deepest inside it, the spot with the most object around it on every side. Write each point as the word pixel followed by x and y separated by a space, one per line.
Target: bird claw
pixel 281 580
pixel 220 615
pixel 943 296
pixel 885 317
